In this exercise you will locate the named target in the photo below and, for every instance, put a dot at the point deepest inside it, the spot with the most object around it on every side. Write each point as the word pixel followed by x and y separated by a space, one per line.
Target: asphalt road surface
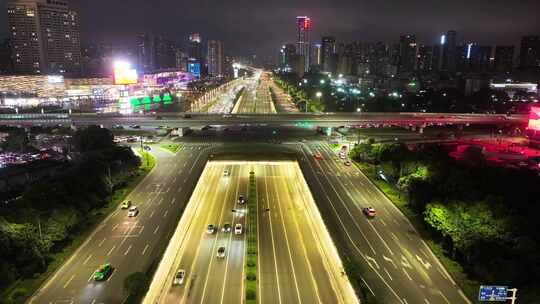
pixel 129 244
pixel 398 266
pixel 256 98
pixel 298 263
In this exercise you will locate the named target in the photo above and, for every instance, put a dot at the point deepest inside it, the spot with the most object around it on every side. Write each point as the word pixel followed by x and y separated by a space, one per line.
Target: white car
pixel 133 211
pixel 179 277
pixel 221 252
pixel 238 229
pixel 210 229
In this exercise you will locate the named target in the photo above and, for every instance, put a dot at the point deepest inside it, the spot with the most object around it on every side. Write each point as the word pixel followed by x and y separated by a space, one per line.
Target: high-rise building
pixel 504 58
pixel 6 64
pixel 155 52
pixel 425 58
pixel 316 55
pixel 476 58
pixel 303 43
pixel 328 52
pixel 529 56
pixel 287 52
pixel 407 54
pixel 344 59
pixel 215 58
pixel 44 37
pixel 449 52
pixel 195 50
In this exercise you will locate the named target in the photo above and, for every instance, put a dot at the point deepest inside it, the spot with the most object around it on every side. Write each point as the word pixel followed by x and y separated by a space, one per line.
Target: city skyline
pixel 485 23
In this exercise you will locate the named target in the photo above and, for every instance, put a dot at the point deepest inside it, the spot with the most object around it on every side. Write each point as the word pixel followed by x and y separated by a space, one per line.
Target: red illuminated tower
pixel 303 23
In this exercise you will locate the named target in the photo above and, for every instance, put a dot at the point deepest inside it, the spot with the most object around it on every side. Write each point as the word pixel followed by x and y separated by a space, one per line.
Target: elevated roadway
pixel 418 120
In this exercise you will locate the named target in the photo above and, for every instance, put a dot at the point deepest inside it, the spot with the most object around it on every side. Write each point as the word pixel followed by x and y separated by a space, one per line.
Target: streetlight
pixel 322 81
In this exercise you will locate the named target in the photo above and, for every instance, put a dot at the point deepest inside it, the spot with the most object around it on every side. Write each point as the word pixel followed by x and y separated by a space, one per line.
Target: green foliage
pixel 466 223
pixel 17 141
pixel 93 138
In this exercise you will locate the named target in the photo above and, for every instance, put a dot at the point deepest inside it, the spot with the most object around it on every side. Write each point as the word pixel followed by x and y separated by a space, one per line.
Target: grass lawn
pixel 469 287
pixel 23 289
pixel 173 148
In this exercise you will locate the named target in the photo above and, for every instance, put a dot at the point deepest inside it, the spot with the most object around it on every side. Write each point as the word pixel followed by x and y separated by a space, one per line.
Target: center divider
pixel 251 260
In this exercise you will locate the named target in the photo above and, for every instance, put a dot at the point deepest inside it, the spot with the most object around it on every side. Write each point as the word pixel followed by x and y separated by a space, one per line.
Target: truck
pixel 180 132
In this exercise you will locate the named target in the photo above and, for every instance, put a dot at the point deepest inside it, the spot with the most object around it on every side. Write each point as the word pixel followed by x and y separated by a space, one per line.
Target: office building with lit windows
pixel 45 37
pixel 303 44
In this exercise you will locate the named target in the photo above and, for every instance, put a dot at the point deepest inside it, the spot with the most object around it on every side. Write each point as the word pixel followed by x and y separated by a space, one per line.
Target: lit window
pixel 30 13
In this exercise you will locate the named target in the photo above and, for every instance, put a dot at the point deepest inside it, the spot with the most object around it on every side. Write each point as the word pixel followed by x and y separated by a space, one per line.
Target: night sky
pixel 260 27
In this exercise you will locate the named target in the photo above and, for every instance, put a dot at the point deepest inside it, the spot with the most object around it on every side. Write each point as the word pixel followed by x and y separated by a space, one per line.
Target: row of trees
pixel 301 96
pixel 485 216
pixel 46 216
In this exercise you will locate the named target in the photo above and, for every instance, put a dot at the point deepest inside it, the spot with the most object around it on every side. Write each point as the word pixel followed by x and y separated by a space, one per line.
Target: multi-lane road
pixel 256 97
pixel 398 266
pixel 129 244
pixel 297 261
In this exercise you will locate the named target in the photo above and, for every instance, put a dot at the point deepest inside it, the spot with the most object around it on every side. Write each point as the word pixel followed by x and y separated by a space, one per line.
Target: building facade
pixel 529 56
pixel 215 58
pixel 45 37
pixel 303 44
pixel 504 58
pixel 155 53
pixel 407 54
pixel 328 52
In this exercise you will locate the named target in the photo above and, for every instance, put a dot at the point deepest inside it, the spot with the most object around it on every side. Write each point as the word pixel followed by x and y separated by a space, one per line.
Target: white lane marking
pixel 127 251
pixel 87 259
pixel 155 230
pixel 426 264
pixel 140 231
pixel 389 260
pixel 394 236
pixel 179 189
pixel 463 296
pixel 426 300
pixel 69 281
pixel 388 274
pixel 165 214
pixel 372 260
pixel 173 200
pixel 110 251
pixel 160 200
pixel 365 283
pixel 273 242
pixel 405 262
pixel 111 276
pixel 114 227
pixel 407 274
pixel 405 301
pixel 382 222
pixel 145 248
pixel 174 180
pixel 380 237
pixel 91 277
pixel 444 297
pixel 152 214
pixel 168 189
pixel 102 241
pixel 93 301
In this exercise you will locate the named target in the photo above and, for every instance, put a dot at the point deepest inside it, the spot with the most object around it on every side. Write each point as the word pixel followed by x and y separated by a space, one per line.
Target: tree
pixel 93 138
pixel 17 141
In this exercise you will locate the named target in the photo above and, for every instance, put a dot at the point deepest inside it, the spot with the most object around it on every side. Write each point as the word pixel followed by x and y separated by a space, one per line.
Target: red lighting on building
pixel 304 22
pixel 534 119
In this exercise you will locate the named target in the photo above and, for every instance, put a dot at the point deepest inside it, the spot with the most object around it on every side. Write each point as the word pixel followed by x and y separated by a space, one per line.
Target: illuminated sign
pixel 55 79
pixel 534 119
pixel 493 293
pixel 304 22
pixel 124 74
pixel 194 68
pixel 469 47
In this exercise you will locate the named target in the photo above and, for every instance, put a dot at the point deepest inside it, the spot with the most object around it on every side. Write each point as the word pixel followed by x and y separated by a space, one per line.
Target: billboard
pixel 534 119
pixel 124 74
pixel 195 69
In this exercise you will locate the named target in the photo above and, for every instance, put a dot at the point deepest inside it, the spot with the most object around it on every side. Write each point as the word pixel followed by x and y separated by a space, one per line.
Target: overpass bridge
pixel 353 120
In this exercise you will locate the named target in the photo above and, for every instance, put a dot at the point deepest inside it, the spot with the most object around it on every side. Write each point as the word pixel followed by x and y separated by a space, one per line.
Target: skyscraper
pixel 504 58
pixel 287 52
pixel 156 52
pixel 316 55
pixel 425 58
pixel 44 36
pixel 529 56
pixel 195 51
pixel 215 58
pixel 407 54
pixel 449 52
pixel 328 51
pixel 303 48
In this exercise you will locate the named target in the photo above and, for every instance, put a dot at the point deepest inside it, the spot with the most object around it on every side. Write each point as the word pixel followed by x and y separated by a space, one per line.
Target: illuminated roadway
pixel 256 98
pixel 281 119
pixel 396 263
pixel 297 260
pixel 129 244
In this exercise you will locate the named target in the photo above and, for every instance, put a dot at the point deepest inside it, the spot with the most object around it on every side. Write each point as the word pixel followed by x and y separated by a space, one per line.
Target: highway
pixel 129 244
pixel 298 261
pixel 358 120
pixel 398 266
pixel 256 97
